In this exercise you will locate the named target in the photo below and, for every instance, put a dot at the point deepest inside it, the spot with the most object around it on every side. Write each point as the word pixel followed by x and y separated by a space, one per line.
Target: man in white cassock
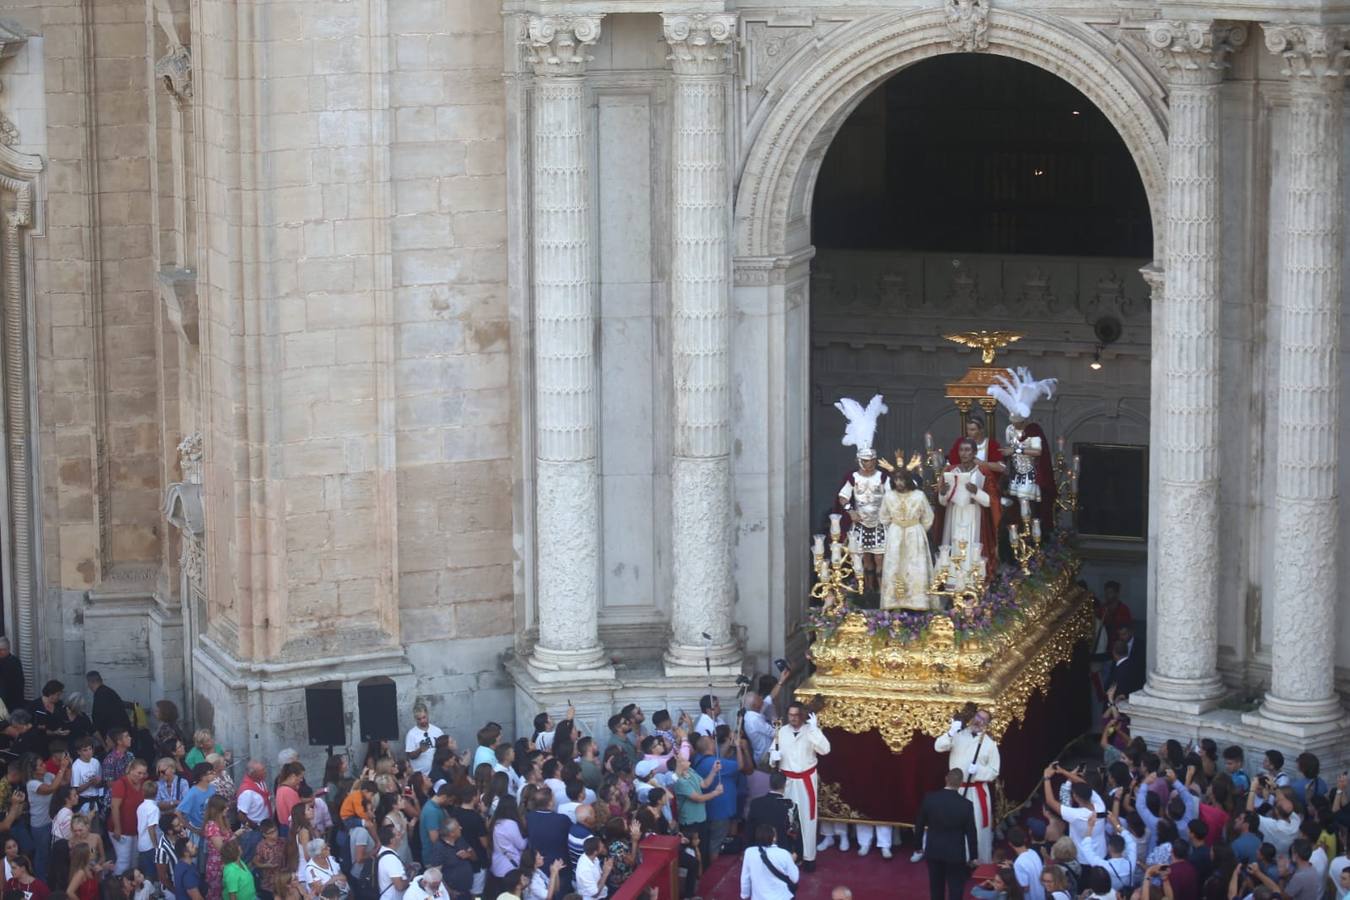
pixel 971 749
pixel 797 749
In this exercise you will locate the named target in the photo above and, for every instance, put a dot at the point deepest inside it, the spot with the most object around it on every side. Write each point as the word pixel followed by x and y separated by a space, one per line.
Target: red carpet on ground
pixel 870 878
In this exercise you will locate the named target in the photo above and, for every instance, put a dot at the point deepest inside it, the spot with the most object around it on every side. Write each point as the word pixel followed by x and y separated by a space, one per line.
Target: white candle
pixel 834 525
pixel 928 440
pixel 976 553
pixel 1036 529
pixel 1026 508
pixel 854 543
pixel 858 564
pixel 823 570
pixel 1012 533
pixel 1059 442
pixel 836 553
pixel 1075 465
pixel 818 545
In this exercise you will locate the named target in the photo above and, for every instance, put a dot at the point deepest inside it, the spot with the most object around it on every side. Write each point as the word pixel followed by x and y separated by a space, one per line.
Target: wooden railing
pixel 660 869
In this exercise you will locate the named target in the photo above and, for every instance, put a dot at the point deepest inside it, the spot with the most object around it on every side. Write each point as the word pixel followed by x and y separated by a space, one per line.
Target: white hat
pixel 862 423
pixel 1018 391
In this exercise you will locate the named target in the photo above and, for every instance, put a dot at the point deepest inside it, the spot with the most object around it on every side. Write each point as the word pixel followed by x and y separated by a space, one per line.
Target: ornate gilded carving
pixel 899 689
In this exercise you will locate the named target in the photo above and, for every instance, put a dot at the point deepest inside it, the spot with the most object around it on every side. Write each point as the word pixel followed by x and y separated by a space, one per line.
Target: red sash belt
pixel 981 791
pixel 810 787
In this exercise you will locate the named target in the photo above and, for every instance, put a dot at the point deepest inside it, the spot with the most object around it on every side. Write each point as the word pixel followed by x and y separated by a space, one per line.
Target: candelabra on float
pixel 1066 480
pixel 1025 542
pixel 838 576
pixel 959 574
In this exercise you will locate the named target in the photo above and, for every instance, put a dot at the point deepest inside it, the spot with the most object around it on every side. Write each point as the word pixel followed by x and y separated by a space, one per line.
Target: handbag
pixel 773 870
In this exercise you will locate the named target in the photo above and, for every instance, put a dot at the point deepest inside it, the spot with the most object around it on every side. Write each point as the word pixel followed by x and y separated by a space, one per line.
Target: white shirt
pixel 559 791
pixel 1280 832
pixel 390 867
pixel 588 882
pixel 514 782
pixel 962 749
pixel 147 817
pixel 317 874
pixel 759 732
pixel 708 725
pixel 253 806
pixel 81 772
pixel 569 809
pixel 414 742
pixel 758 883
pixel 418 891
pixel 1027 867
pixel 1077 819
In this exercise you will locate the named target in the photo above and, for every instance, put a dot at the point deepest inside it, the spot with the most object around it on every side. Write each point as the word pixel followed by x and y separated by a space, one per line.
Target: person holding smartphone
pixel 421 740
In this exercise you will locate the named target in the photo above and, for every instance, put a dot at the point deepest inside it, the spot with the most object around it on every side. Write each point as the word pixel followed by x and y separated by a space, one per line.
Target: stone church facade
pixel 468 344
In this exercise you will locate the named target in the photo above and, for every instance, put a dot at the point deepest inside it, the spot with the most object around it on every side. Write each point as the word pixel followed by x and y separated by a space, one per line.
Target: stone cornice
pixel 558 45
pixel 700 44
pixel 1312 53
pixel 1194 52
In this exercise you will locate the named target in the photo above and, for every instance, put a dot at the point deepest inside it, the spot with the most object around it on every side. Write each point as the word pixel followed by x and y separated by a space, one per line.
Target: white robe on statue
pixel 981 773
pixel 965 511
pixel 795 754
pixel 908 572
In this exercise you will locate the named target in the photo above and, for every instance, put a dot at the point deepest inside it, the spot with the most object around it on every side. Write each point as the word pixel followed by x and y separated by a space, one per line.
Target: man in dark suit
pixel 949 821
pixel 1127 672
pixel 778 811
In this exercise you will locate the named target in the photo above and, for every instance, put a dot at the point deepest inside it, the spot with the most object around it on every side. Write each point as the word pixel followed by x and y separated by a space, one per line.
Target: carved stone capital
pixel 700 44
pixel 1194 52
pixel 1312 53
pixel 968 22
pixel 559 44
pixel 174 69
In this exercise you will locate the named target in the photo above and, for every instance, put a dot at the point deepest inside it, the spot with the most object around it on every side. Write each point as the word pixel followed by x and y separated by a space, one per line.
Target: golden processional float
pixel 1015 644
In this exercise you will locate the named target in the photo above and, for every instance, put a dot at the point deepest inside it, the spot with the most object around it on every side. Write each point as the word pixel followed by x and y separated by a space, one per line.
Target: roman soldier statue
pixel 861 495
pixel 1026 449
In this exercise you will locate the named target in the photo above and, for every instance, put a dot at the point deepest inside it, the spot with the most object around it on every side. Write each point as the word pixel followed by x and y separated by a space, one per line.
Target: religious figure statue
pixel 861 495
pixel 968 505
pixel 1026 448
pixel 908 567
pixel 968 22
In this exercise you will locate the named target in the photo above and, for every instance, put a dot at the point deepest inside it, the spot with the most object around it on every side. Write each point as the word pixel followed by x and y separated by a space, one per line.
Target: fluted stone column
pixel 700 285
pixel 567 487
pixel 1308 415
pixel 1184 665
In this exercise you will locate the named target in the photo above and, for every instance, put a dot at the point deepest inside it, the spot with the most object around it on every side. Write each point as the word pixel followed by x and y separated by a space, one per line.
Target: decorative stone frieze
pixel 559 45
pixel 968 22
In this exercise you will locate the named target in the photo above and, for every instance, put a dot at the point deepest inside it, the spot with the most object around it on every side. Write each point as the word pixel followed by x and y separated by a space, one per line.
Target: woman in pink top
pixel 288 793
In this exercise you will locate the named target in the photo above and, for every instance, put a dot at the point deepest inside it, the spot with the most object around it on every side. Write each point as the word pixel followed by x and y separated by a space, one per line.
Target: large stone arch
pixel 819 92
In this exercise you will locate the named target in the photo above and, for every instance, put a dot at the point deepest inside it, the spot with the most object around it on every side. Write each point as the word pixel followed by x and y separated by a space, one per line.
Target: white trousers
pixel 884 835
pixel 796 792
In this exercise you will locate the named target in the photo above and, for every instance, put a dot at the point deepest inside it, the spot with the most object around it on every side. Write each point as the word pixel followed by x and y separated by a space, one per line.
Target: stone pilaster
pixel 1193 55
pixel 700 286
pixel 1307 580
pixel 567 521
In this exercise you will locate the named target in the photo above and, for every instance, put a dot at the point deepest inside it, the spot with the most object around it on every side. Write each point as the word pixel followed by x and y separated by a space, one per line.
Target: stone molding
pixel 819 95
pixel 18 179
pixel 1311 53
pixel 1194 52
pixel 700 44
pixel 559 45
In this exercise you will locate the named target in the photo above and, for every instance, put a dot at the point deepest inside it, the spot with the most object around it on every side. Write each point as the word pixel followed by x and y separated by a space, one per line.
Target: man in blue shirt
pixel 1247 844
pixel 722 808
